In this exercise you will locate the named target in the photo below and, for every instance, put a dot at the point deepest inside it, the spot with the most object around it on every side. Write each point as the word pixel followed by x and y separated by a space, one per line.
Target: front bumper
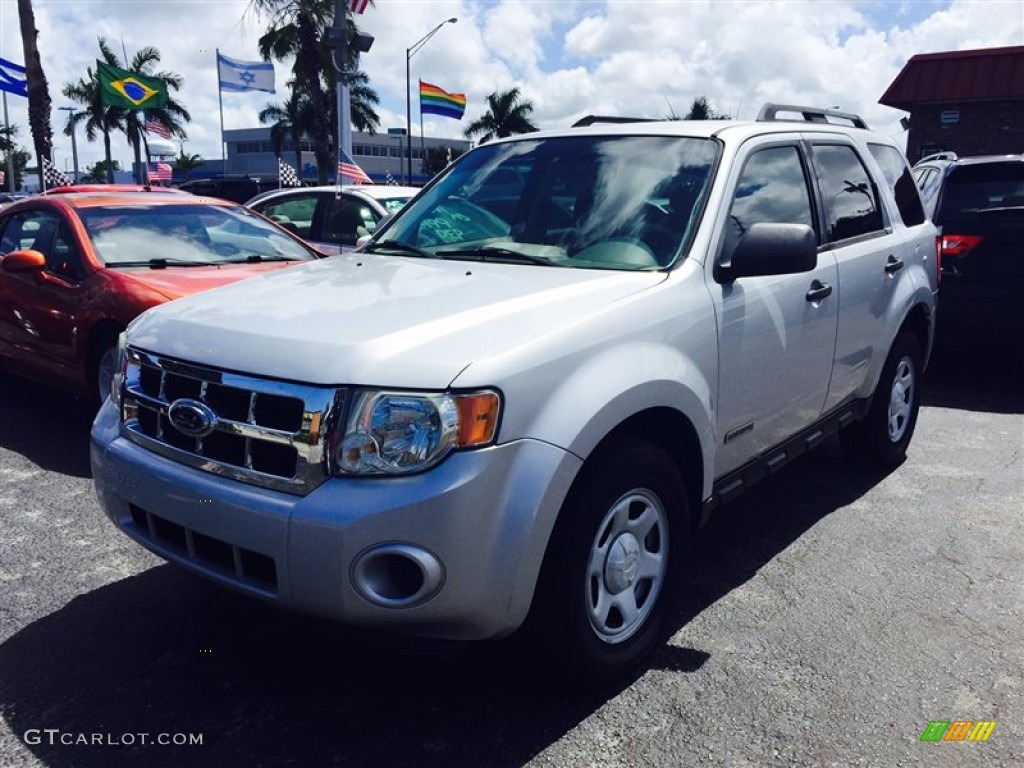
pixel 484 516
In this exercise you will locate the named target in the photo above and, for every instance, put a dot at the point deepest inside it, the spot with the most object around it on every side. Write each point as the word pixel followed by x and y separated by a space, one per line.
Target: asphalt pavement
pixel 834 613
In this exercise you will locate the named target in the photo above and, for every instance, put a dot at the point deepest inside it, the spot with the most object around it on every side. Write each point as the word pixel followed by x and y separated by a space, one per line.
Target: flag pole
pixel 220 104
pixel 10 155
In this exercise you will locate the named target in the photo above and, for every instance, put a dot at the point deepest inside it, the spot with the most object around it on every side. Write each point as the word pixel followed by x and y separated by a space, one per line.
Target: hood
pixel 175 282
pixel 378 320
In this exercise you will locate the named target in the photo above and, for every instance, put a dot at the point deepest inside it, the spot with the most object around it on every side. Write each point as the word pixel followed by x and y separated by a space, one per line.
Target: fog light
pixel 397 575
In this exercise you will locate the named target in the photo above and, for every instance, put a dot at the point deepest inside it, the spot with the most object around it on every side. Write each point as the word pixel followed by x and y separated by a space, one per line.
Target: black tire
pixel 881 438
pixel 579 622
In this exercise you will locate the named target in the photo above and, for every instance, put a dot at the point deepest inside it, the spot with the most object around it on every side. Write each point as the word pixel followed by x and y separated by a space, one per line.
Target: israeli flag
pixel 13 78
pixel 238 75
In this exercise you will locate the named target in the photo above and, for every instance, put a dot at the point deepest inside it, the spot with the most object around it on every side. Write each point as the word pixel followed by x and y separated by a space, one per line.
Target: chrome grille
pixel 266 432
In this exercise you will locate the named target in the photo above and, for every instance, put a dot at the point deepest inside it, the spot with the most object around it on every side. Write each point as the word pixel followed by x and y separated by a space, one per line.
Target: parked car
pixel 238 189
pixel 75 269
pixel 481 422
pixel 978 204
pixel 330 220
pixel 110 189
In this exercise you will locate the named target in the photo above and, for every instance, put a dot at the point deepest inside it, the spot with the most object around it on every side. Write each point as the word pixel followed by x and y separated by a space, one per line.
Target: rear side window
pixel 897 176
pixel 848 194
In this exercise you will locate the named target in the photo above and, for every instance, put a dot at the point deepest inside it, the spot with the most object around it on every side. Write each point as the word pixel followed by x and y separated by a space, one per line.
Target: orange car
pixel 76 269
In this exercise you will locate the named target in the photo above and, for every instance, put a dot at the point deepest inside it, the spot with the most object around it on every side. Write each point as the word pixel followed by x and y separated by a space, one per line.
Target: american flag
pixel 347 169
pixel 158 172
pixel 358 6
pixel 286 175
pixel 54 176
pixel 155 126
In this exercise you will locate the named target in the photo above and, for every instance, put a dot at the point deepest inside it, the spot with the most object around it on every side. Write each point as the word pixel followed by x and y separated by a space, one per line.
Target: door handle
pixel 818 291
pixel 892 264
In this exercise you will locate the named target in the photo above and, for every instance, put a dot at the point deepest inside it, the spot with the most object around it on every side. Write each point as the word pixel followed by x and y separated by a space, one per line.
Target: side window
pixel 848 194
pixel 346 220
pixel 929 185
pixel 294 214
pixel 64 259
pixel 31 230
pixel 897 175
pixel 772 189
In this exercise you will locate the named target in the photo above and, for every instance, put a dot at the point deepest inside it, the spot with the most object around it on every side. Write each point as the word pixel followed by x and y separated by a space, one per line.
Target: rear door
pixel 872 254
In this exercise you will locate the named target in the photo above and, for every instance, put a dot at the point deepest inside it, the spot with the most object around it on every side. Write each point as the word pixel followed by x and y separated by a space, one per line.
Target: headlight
pixel 118 377
pixel 395 433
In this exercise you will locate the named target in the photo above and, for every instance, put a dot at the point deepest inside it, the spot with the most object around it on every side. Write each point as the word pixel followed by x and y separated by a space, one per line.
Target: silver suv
pixel 514 405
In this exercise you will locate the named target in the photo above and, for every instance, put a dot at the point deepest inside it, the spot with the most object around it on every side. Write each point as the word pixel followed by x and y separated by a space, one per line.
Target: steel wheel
pixel 627 566
pixel 901 399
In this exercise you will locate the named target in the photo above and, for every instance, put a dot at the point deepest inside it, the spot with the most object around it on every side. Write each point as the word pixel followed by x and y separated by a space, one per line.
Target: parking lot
pixel 833 615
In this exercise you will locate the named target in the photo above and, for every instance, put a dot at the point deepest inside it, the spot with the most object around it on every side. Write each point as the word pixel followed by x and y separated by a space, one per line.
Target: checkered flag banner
pixel 54 176
pixel 287 177
pixel 390 179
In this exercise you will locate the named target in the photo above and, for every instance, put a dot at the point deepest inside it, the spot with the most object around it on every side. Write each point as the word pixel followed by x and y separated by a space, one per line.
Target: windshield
pixel 140 235
pixel 594 202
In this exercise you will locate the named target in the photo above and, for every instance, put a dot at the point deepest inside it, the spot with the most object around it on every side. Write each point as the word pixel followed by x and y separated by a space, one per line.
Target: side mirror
pixel 23 261
pixel 771 249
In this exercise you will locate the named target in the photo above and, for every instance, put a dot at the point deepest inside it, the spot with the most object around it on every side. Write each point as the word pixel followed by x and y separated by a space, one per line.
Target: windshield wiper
pixel 397 245
pixel 256 258
pixel 161 263
pixel 491 253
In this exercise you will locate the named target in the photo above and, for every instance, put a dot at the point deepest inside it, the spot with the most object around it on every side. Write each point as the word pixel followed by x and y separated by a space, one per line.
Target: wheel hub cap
pixel 620 567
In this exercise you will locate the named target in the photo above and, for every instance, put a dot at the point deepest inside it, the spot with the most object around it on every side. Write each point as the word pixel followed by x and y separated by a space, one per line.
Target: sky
pixel 644 58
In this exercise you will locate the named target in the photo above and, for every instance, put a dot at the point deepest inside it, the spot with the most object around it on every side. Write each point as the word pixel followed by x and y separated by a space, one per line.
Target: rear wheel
pixel 613 564
pixel 881 438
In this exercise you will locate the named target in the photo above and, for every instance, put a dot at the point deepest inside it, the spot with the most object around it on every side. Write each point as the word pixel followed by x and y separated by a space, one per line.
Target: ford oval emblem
pixel 192 418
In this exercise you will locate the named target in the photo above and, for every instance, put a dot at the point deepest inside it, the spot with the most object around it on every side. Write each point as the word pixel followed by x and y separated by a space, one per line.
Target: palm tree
pixel 292 120
pixel 38 90
pixel 506 115
pixel 187 162
pixel 102 117
pixel 296 27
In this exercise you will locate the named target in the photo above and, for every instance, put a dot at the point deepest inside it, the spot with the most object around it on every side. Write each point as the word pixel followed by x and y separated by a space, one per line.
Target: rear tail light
pixel 952 248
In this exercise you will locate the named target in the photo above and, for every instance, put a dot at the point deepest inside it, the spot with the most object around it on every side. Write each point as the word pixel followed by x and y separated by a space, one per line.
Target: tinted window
pixel 346 220
pixel 64 259
pixel 851 207
pixel 772 189
pixel 897 176
pixel 971 189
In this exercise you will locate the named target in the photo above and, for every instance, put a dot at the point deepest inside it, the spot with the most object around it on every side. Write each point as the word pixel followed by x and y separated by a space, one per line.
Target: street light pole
pixel 74 146
pixel 409 53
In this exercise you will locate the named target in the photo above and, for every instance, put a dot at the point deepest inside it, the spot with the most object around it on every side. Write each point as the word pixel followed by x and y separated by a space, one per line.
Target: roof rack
pixel 591 119
pixel 808 114
pixel 939 156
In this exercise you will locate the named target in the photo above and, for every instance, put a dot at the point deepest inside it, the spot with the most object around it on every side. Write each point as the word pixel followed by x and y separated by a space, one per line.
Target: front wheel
pixel 613 564
pixel 882 436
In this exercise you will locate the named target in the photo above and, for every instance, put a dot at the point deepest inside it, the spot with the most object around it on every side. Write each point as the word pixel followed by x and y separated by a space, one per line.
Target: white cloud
pixel 633 57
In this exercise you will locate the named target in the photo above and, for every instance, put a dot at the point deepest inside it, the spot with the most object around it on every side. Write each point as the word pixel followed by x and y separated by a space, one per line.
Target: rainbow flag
pixel 437 101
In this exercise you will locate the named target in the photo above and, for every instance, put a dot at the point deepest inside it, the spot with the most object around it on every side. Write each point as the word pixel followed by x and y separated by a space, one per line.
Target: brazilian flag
pixel 130 90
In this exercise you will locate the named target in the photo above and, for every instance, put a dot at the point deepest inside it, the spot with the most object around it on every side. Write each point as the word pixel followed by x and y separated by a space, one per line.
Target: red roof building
pixel 970 102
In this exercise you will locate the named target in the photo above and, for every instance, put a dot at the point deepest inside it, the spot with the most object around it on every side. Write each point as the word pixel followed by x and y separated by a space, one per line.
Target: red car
pixel 76 269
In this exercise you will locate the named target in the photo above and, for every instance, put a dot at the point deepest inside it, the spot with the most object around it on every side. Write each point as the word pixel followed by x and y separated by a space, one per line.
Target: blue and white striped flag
pixel 238 75
pixel 13 78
